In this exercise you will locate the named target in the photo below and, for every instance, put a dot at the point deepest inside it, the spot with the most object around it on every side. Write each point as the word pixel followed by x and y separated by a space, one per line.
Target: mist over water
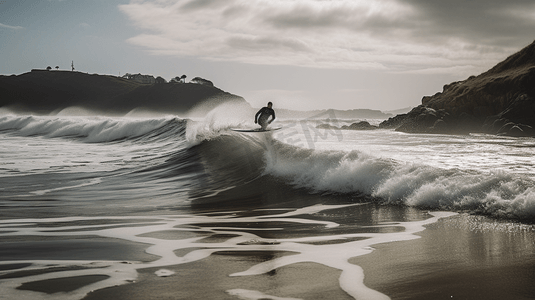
pixel 169 183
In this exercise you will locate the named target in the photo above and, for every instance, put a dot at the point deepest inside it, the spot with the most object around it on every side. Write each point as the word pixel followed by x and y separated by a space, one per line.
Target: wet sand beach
pixel 456 257
pixel 460 257
pixel 209 279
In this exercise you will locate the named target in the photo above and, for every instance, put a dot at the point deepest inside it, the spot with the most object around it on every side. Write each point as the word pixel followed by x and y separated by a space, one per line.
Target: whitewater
pixel 189 189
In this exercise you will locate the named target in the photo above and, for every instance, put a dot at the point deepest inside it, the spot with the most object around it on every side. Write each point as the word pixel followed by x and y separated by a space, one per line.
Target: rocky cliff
pixel 499 101
pixel 44 92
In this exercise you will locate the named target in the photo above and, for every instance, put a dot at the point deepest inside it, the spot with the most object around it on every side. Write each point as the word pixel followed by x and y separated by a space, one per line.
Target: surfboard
pixel 255 130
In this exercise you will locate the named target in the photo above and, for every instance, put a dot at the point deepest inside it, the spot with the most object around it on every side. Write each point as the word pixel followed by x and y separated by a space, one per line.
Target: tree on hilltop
pixel 199 80
pixel 48 68
pixel 181 79
pixel 57 68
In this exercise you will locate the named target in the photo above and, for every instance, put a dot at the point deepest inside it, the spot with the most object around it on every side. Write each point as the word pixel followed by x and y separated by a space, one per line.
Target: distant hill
pixel 332 114
pixel 44 92
pixel 499 101
pixel 399 111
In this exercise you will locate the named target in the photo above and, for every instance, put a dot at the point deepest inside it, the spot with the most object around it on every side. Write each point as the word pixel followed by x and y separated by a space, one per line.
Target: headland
pixel 48 91
pixel 499 101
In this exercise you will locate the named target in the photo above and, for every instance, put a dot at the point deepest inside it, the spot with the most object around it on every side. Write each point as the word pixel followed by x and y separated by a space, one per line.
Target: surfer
pixel 263 114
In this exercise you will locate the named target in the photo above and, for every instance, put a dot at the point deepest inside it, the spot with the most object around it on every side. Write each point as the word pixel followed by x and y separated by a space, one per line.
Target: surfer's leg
pixel 263 123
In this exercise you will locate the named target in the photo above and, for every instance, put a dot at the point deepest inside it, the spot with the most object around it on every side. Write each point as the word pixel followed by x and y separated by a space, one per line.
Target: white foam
pixel 91 182
pixel 498 193
pixel 118 273
pixel 254 295
pixel 331 255
pixel 164 273
pixel 323 170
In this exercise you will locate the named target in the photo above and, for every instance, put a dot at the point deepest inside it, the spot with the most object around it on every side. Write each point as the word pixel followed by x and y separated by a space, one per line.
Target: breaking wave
pixel 497 194
pixel 88 129
pixel 220 160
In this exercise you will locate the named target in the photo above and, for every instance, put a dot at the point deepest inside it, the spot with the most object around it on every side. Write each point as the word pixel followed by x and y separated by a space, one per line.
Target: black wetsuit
pixel 264 114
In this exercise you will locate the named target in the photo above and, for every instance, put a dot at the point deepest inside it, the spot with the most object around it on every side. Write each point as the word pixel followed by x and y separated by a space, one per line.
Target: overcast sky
pixel 300 54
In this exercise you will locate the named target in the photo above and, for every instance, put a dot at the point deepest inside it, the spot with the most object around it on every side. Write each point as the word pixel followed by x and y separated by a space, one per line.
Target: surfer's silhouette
pixel 263 114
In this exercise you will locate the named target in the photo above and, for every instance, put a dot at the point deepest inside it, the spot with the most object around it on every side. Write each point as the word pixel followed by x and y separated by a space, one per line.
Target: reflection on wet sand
pixel 269 240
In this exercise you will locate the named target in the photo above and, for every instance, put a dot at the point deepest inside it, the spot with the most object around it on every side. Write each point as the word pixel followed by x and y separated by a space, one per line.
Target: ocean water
pixel 103 198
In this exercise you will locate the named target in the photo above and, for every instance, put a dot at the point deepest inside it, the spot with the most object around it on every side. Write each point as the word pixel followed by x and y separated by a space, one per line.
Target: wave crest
pixel 88 129
pixel 497 194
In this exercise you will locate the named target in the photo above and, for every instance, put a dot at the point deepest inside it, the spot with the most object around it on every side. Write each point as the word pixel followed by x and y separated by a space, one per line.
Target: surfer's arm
pixel 256 116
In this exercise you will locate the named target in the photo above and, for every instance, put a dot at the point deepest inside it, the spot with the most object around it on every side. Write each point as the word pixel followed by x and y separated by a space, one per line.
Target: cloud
pixel 84 25
pixel 464 69
pixel 418 36
pixel 267 44
pixel 10 27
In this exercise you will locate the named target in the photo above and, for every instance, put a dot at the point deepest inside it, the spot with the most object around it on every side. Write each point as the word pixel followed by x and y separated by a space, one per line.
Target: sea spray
pixel 218 121
pixel 497 194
